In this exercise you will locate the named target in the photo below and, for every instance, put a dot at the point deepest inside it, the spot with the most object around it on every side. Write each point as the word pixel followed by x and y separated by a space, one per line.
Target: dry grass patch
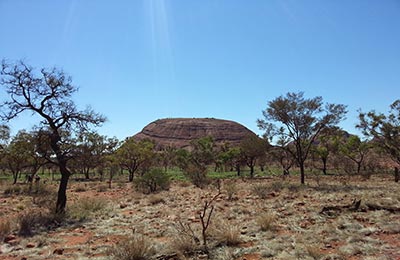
pixel 136 247
pixel 155 199
pixel 231 189
pixel 266 221
pixel 226 234
pixel 5 228
pixel 85 207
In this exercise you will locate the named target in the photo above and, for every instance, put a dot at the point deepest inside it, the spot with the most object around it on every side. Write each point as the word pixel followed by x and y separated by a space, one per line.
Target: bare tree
pixel 48 95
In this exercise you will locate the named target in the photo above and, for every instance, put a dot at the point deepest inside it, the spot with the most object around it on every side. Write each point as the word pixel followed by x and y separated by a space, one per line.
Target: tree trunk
pixel 396 174
pixel 238 170
pixel 358 167
pixel 130 176
pixel 324 161
pixel 302 172
pixel 251 171
pixel 15 177
pixel 62 189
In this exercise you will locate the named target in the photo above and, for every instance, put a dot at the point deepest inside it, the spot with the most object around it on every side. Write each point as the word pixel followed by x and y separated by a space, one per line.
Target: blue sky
pixel 138 61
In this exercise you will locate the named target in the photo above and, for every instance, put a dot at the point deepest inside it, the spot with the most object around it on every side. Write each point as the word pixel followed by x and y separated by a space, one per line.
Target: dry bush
pixel 226 234
pixel 231 189
pixel 102 188
pixel 185 240
pixel 136 247
pixel 183 245
pixel 39 189
pixel 314 252
pixel 84 208
pixel 277 186
pixel 266 221
pixel 197 175
pixel 155 199
pixel 12 189
pixel 5 228
pixel 260 190
pixel 31 220
pixel 80 188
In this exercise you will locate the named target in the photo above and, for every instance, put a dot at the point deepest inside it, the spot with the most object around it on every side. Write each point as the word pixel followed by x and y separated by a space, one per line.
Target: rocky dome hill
pixel 179 132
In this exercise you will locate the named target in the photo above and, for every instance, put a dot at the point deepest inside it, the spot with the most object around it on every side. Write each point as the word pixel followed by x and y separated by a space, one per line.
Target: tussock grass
pixel 136 247
pixel 266 221
pixel 5 228
pixel 226 234
pixel 84 208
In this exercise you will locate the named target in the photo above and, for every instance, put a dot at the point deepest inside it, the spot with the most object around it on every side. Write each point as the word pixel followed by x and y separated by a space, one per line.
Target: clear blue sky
pixel 137 61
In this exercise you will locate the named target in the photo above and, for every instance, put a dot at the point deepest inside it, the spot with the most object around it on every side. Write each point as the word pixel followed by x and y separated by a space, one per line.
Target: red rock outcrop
pixel 179 132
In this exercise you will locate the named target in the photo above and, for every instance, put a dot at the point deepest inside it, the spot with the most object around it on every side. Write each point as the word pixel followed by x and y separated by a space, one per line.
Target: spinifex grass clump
pixel 136 247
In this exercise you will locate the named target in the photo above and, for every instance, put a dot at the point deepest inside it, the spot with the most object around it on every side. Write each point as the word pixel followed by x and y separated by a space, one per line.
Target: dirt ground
pixel 269 218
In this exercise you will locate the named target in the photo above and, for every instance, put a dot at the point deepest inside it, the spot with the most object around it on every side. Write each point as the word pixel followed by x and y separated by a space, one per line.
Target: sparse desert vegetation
pixel 305 190
pixel 317 221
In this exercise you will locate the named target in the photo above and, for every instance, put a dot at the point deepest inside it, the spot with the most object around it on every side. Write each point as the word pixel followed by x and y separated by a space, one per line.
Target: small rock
pixel 9 238
pixel 122 205
pixel 30 245
pixel 58 251
pixel 24 258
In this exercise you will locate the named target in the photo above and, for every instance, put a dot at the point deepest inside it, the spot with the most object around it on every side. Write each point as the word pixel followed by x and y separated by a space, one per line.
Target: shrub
pixel 153 180
pixel 231 189
pixel 30 220
pixel 102 188
pixel 12 189
pixel 80 188
pixel 85 207
pixel 260 190
pixel 184 245
pixel 197 175
pixel 277 186
pixel 155 199
pixel 133 248
pixel 266 221
pixel 5 228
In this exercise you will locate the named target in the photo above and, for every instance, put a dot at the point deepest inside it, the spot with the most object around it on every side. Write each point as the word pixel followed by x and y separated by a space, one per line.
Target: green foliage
pixel 295 119
pixel 195 163
pixel 91 151
pixel 133 155
pixel 383 129
pixel 152 181
pixel 354 149
pixel 197 175
pixel 252 148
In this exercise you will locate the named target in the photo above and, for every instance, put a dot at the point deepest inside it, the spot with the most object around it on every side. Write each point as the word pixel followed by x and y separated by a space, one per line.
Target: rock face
pixel 179 132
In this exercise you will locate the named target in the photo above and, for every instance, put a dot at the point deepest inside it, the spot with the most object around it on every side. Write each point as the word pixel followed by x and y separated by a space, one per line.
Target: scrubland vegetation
pixel 305 190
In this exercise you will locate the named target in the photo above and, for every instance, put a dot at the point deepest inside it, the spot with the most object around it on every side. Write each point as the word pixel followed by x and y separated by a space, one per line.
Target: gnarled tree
pixel 299 121
pixel 48 95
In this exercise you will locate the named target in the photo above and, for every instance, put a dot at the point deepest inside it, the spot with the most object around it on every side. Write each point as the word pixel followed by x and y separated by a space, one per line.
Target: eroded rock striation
pixel 179 132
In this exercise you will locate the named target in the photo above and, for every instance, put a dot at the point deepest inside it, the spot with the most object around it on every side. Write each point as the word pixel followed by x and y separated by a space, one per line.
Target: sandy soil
pixel 297 228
